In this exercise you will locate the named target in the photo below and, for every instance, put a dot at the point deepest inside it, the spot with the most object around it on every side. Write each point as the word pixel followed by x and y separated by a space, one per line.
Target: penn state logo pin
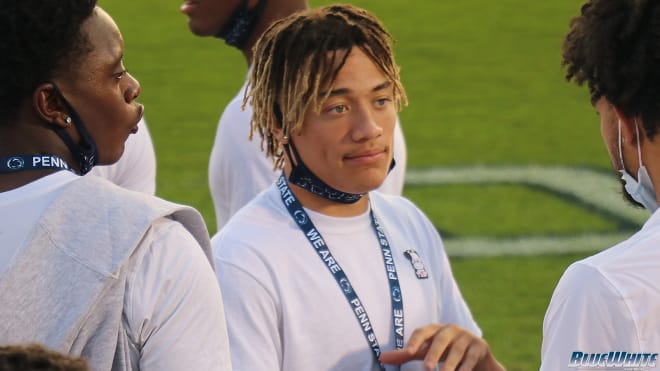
pixel 418 265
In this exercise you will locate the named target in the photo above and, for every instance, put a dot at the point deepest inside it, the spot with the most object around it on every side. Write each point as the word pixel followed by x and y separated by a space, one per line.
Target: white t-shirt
pixel 239 170
pixel 609 302
pixel 172 307
pixel 285 310
pixel 136 169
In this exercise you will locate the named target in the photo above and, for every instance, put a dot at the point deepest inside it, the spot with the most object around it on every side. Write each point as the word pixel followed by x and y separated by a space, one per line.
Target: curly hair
pixel 299 56
pixel 39 38
pixel 614 46
pixel 35 357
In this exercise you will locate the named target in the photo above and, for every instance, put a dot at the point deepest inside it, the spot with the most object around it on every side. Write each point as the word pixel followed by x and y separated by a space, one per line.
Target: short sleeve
pixel 586 314
pixel 253 320
pixel 173 306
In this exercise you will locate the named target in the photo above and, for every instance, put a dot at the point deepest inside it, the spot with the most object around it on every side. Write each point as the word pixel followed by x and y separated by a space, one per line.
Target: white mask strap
pixel 639 151
pixel 623 167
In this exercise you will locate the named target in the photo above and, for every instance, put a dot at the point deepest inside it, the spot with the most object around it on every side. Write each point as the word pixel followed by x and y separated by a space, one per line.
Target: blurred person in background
pixel 605 311
pixel 238 169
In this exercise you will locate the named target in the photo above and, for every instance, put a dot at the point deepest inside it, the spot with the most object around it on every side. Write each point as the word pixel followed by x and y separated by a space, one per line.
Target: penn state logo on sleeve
pixel 417 264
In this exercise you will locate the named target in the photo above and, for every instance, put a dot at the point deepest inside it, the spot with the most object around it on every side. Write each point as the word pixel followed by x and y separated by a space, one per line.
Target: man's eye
pixel 382 101
pixel 121 74
pixel 338 109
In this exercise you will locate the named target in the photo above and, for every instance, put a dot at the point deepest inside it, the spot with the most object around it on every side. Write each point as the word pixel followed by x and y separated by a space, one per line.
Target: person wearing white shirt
pixel 321 271
pixel 122 279
pixel 605 310
pixel 238 170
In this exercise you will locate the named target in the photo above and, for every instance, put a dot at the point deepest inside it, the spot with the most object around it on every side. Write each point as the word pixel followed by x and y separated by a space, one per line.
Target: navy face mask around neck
pixel 303 177
pixel 241 24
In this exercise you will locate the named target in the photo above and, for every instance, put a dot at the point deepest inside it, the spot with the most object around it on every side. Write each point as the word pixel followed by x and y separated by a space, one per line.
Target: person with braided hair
pixel 321 271
pixel 87 268
pixel 238 168
pixel 605 310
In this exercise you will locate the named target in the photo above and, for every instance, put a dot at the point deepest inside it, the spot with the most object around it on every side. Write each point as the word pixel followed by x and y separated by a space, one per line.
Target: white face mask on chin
pixel 641 190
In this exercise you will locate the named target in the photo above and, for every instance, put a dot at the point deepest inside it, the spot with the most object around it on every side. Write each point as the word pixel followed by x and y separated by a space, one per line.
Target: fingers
pixel 416 348
pixel 460 349
pixel 421 338
pixel 396 357
pixel 465 353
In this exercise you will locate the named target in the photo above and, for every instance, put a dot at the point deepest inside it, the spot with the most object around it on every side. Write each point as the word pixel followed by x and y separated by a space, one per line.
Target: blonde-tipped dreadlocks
pixel 300 56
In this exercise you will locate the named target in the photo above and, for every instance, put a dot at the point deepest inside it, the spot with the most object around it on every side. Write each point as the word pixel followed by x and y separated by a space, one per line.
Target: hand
pixel 457 347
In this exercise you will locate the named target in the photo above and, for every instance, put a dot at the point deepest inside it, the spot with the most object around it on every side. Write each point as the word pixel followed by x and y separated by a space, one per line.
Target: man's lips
pixel 140 114
pixel 367 156
pixel 187 7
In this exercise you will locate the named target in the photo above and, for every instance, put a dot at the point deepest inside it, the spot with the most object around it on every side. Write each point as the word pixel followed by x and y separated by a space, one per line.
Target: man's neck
pixel 274 11
pixel 30 138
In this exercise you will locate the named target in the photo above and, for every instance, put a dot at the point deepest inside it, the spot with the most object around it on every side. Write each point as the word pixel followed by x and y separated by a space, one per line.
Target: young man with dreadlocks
pixel 605 311
pixel 321 272
pixel 238 170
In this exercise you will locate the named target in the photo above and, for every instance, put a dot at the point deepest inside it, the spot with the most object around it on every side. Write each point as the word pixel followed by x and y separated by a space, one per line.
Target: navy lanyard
pixel 32 162
pixel 318 243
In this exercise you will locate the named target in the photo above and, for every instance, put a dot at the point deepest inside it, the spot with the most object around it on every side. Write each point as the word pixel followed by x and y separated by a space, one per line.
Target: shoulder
pixel 585 280
pixel 587 294
pixel 399 213
pixel 170 287
pixel 626 273
pixel 113 217
pixel 587 313
pixel 259 223
pixel 628 265
pixel 393 204
pixel 93 194
pixel 235 111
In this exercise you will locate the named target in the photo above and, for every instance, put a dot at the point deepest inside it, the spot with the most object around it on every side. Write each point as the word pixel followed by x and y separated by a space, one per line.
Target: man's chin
pixel 371 185
pixel 198 30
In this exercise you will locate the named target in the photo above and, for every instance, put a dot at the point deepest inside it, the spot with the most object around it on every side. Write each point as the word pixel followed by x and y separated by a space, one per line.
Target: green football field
pixel 503 155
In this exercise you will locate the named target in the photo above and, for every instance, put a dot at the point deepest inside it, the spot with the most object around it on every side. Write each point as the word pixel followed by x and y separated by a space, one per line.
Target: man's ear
pixel 49 106
pixel 629 128
pixel 277 127
pixel 279 134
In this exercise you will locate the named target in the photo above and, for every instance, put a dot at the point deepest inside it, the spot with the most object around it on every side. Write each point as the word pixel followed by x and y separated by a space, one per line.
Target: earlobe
pixel 277 127
pixel 48 105
pixel 279 135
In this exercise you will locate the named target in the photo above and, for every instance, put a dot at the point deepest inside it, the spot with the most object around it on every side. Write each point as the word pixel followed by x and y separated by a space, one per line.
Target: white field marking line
pixel 590 186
